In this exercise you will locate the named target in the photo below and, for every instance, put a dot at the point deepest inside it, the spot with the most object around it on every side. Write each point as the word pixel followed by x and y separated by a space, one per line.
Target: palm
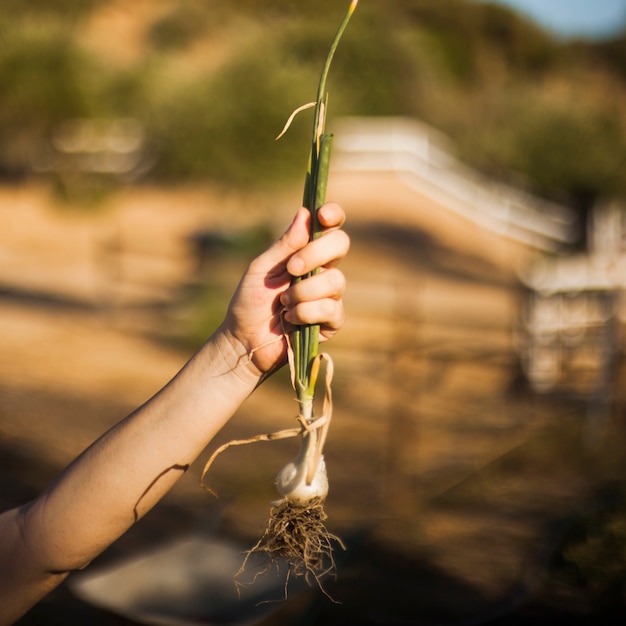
pixel 255 315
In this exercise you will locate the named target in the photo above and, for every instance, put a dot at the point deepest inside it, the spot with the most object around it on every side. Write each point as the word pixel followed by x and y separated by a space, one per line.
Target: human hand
pixel 266 303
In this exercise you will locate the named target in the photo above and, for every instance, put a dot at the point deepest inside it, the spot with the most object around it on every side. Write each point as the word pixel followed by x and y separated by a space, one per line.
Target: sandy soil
pixel 444 469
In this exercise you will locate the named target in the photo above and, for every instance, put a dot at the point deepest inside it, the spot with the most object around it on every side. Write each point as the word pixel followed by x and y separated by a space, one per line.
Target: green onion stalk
pixel 306 476
pixel 296 531
pixel 306 338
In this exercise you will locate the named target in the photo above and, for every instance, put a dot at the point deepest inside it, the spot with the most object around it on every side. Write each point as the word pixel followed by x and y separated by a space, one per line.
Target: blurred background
pixel 476 456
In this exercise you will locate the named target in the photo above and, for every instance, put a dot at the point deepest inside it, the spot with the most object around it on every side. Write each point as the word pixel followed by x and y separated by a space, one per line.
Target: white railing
pixel 424 159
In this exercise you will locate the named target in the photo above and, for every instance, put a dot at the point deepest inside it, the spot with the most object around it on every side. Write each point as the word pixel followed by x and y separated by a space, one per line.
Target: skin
pixel 125 472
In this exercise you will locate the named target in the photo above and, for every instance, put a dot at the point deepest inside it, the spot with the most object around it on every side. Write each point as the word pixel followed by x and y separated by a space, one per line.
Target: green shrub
pixel 41 73
pixel 222 126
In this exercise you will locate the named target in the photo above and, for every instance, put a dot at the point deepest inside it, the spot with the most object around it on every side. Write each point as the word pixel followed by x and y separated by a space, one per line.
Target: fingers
pixel 316 300
pixel 331 215
pixel 328 313
pixel 303 256
pixel 325 251
pixel 327 284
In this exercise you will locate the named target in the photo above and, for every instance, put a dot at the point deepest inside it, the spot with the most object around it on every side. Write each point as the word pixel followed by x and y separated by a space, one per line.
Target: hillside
pixel 213 82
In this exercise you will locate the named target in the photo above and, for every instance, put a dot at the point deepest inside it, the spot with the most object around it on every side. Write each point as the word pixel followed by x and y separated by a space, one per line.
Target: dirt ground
pixel 450 482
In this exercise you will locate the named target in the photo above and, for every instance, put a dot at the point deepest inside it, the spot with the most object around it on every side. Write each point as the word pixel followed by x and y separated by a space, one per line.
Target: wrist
pixel 235 356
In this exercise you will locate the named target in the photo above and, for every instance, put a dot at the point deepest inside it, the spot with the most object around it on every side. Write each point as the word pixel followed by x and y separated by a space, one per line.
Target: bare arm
pixel 129 469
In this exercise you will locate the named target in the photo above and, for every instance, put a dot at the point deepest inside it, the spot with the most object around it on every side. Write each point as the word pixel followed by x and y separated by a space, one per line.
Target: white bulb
pixel 291 482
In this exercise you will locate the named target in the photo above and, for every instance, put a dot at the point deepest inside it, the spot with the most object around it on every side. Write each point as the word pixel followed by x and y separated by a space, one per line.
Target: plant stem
pixel 305 338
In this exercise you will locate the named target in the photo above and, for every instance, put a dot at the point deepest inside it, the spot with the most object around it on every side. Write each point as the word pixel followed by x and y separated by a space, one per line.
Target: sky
pixel 574 18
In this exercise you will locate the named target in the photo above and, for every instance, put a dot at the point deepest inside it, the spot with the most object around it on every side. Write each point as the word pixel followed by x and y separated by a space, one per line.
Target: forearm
pixel 124 473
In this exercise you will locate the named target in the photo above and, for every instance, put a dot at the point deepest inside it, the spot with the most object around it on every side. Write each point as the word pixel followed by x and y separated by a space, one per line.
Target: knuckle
pixel 337 281
pixel 345 238
pixel 331 311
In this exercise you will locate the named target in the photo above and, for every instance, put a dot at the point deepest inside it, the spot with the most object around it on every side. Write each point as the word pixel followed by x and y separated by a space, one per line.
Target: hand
pixel 265 303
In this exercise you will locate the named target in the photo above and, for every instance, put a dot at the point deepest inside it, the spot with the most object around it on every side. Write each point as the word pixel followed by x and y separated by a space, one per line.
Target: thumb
pixel 293 239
